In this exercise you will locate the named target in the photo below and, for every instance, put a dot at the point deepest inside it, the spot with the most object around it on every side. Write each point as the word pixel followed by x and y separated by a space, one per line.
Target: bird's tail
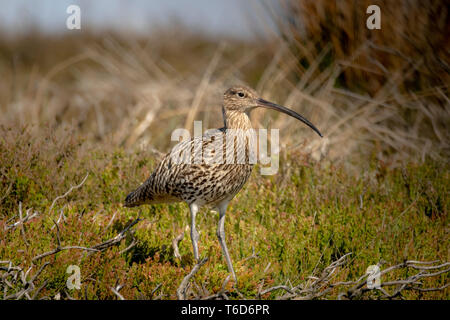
pixel 141 195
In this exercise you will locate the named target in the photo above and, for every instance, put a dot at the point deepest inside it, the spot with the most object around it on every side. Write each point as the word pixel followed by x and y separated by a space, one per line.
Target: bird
pixel 209 170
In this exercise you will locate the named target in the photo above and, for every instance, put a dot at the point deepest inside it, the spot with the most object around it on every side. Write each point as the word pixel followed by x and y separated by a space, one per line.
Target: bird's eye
pixel 241 94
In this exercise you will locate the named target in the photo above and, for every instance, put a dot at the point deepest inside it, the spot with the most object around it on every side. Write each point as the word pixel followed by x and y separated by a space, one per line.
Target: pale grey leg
pixel 221 235
pixel 194 234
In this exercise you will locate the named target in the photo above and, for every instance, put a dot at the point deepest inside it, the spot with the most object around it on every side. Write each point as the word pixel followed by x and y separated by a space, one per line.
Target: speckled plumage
pixel 212 171
pixel 206 183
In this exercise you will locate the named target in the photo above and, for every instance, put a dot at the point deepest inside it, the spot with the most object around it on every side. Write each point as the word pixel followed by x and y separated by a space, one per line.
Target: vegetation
pixel 104 106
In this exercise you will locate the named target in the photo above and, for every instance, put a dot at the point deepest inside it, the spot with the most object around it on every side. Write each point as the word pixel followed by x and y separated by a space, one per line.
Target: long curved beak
pixel 269 105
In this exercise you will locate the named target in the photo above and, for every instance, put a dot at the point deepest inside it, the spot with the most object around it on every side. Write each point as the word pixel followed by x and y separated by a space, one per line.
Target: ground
pixel 281 229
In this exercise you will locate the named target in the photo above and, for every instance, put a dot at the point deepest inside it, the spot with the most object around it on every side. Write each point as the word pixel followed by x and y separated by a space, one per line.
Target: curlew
pixel 210 170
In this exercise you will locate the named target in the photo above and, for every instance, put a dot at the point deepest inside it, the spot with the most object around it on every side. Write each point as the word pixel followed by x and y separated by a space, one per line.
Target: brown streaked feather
pixel 208 182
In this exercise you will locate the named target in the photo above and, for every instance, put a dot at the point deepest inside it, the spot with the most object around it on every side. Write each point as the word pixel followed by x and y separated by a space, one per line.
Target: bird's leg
pixel 194 234
pixel 221 236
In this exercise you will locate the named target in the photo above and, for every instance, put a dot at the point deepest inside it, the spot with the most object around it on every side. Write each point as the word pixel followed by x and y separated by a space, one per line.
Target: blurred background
pixel 136 70
pixel 92 111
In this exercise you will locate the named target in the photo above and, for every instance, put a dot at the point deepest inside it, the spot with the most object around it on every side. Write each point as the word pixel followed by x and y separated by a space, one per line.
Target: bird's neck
pixel 236 120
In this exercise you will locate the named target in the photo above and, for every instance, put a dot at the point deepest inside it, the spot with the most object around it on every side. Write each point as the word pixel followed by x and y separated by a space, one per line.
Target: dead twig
pixel 181 291
pixel 18 282
pixel 133 243
pixel 154 290
pixel 22 219
pixel 252 256
pixel 110 242
pixel 222 292
pixel 317 287
pixel 116 292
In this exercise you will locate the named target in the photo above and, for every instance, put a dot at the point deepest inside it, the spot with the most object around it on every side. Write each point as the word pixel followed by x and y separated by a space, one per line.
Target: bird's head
pixel 244 99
